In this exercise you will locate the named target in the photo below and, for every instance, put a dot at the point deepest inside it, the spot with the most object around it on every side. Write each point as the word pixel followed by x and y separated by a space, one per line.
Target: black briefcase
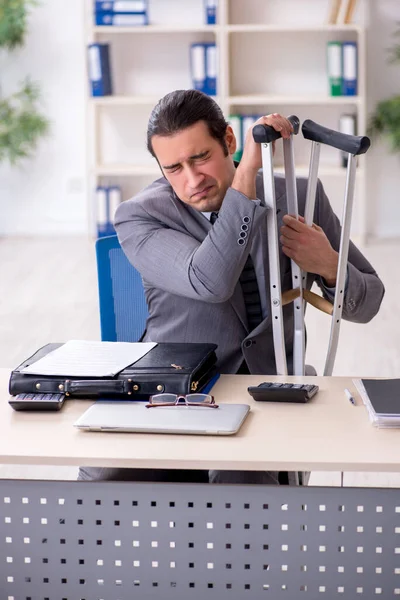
pixel 179 368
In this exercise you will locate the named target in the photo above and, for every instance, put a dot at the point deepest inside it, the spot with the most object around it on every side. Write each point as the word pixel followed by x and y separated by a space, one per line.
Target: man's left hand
pixel 309 247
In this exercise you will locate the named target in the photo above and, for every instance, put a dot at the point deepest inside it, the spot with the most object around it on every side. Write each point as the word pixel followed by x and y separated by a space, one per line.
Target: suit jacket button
pixel 246 219
pixel 241 241
pixel 248 343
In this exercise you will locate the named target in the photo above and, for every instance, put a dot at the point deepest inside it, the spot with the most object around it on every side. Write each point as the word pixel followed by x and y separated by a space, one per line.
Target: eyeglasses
pixel 175 399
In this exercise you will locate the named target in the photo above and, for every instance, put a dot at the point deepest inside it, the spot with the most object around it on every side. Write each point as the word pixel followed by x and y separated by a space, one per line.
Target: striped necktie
pixel 251 295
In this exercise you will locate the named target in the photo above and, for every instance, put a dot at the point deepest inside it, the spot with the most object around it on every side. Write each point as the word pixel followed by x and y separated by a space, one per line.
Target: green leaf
pixel 13 22
pixel 385 120
pixel 21 123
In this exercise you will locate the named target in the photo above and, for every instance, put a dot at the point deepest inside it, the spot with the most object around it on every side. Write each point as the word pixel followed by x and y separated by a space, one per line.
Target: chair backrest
pixel 123 308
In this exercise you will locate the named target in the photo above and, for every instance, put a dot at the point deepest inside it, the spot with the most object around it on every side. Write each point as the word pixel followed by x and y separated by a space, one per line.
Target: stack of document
pixel 382 399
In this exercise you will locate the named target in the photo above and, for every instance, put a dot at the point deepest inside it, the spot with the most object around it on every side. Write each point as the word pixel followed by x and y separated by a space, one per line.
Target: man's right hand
pixel 244 180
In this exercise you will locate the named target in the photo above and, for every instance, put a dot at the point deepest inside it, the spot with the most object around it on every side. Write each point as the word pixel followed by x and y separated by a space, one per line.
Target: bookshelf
pixel 271 58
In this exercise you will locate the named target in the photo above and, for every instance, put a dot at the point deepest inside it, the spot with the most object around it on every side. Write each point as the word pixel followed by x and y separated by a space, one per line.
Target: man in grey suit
pixel 200 284
pixel 191 268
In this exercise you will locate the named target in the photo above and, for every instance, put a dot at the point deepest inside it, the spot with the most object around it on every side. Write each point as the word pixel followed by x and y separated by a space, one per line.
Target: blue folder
pixel 99 70
pixel 121 19
pixel 107 199
pixel 121 6
pixel 198 66
pixel 211 69
pixel 210 7
pixel 350 70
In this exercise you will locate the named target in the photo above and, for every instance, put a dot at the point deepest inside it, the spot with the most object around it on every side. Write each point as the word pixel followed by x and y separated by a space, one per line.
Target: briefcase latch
pixel 145 387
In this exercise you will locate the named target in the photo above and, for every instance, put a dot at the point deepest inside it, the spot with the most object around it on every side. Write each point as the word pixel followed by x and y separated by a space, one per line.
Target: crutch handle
pixel 318 302
pixel 290 295
pixel 264 134
pixel 348 143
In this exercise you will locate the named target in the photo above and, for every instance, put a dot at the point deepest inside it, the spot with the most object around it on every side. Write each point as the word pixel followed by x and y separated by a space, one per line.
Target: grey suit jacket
pixel 191 269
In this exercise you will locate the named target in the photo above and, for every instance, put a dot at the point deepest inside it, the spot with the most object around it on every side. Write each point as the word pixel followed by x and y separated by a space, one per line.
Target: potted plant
pixel 386 118
pixel 21 123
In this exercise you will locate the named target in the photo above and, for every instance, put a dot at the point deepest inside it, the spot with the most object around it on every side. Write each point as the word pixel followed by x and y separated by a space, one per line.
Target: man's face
pixel 195 165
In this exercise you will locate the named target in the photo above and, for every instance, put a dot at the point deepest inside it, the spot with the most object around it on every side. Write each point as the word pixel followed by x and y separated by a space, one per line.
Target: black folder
pixel 384 395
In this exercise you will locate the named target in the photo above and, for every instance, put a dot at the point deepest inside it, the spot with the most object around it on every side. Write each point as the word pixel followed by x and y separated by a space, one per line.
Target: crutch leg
pixel 354 145
pixel 265 135
pixel 342 266
pixel 309 207
pixel 297 282
pixel 273 253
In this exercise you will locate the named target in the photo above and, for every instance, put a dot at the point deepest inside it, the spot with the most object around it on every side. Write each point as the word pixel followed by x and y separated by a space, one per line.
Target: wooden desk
pixel 124 540
pixel 328 434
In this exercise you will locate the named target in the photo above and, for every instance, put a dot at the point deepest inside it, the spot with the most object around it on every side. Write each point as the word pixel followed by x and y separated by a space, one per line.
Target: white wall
pixel 47 195
pixel 383 175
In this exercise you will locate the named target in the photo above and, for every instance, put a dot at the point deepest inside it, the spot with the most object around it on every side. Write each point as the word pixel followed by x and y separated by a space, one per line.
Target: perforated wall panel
pixel 118 541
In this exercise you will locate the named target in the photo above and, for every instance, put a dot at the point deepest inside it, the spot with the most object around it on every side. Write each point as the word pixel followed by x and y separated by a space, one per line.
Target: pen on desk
pixel 350 396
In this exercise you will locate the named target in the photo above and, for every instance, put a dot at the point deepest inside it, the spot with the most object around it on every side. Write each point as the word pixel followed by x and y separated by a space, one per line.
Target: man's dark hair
pixel 181 109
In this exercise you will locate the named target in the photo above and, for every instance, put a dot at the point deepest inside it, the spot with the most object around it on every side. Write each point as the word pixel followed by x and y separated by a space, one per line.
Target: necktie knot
pixel 213 217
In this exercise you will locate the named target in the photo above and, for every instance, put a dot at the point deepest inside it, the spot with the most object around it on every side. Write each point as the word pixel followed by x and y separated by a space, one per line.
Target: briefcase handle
pixel 115 387
pixel 97 387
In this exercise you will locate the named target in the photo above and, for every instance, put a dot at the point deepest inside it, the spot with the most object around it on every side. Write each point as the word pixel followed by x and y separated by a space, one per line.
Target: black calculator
pixel 269 391
pixel 33 401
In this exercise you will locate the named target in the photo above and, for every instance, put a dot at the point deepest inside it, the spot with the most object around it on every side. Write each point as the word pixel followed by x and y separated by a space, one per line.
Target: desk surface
pixel 328 434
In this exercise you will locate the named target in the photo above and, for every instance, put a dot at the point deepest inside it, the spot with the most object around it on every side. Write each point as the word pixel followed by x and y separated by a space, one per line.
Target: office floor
pixel 49 293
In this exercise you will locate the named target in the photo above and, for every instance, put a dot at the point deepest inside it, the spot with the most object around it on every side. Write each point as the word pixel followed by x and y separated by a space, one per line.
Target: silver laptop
pixel 135 417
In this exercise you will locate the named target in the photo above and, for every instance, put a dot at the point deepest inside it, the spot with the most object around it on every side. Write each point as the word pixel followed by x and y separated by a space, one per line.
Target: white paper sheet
pixel 78 358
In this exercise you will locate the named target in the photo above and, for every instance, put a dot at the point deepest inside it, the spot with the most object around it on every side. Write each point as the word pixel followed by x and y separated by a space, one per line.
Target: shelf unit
pixel 272 58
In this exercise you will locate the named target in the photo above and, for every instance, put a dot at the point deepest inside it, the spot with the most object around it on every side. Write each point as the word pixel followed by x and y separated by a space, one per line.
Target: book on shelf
pixel 247 122
pixel 240 125
pixel 342 68
pixel 198 66
pixel 210 9
pixel 341 12
pixel 107 200
pixel 335 68
pixel 235 121
pixel 112 19
pixel 121 13
pixel 121 6
pixel 348 16
pixel 211 69
pixel 347 124
pixel 334 10
pixel 349 62
pixel 99 70
pixel 203 67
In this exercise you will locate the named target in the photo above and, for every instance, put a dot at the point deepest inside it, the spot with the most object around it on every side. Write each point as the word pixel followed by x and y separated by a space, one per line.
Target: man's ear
pixel 230 140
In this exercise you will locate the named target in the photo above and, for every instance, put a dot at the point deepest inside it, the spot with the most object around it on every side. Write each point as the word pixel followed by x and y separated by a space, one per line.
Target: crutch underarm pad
pixel 264 134
pixel 348 143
